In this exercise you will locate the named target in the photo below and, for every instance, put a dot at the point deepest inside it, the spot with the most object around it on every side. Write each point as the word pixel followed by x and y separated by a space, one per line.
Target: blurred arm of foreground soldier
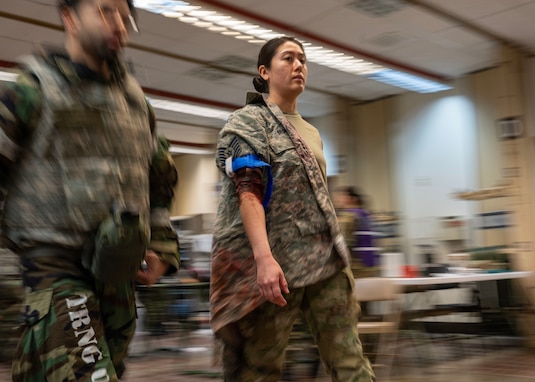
pixel 270 277
pixel 153 269
pixel 162 256
pixel 20 109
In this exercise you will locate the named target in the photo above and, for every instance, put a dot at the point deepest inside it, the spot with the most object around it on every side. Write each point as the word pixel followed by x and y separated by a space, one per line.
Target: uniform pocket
pixel 37 306
pixel 281 145
pixel 311 226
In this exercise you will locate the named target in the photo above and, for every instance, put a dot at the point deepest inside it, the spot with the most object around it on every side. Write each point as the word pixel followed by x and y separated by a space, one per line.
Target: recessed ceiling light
pixel 179 149
pixel 203 24
pixel 186 108
pixel 217 29
pixel 188 19
pixel 173 15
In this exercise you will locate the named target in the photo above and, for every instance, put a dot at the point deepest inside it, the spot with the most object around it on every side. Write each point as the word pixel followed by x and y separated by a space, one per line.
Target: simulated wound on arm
pixel 249 180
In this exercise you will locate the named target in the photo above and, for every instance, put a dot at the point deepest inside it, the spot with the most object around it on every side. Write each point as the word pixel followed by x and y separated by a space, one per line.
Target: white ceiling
pixel 435 38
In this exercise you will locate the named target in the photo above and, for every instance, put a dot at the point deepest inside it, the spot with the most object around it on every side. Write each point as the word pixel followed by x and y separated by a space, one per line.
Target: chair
pixel 379 320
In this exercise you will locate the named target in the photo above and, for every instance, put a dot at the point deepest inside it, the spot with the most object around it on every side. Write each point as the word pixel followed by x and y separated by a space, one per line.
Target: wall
pixel 196 191
pixel 371 169
pixel 487 86
pixel 410 153
pixel 433 155
pixel 517 99
pixel 334 132
pixel 526 206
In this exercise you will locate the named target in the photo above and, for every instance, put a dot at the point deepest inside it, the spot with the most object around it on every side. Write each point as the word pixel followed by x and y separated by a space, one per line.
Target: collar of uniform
pixel 254 98
pixel 75 72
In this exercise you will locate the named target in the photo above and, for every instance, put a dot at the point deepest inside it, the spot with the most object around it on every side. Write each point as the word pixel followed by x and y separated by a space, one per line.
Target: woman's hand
pixel 271 280
pixel 154 270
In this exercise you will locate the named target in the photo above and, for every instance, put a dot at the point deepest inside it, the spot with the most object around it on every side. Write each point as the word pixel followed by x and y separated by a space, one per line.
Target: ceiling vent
pixel 235 63
pixel 387 40
pixel 377 8
pixel 217 72
pixel 209 73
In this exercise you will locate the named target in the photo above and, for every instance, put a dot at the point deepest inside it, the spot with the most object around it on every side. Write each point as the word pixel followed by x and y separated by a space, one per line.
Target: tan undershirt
pixel 312 138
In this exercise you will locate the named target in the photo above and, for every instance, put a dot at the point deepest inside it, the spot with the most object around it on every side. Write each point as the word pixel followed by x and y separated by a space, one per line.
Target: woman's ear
pixel 263 71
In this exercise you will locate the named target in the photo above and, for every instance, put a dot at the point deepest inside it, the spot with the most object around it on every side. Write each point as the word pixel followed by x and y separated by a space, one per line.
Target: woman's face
pixel 288 73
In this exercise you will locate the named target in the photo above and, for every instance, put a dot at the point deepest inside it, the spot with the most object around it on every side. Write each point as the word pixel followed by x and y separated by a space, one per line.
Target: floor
pixel 189 357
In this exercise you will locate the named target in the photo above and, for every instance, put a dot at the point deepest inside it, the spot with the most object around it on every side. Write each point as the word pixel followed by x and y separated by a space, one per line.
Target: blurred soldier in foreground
pixel 11 296
pixel 88 186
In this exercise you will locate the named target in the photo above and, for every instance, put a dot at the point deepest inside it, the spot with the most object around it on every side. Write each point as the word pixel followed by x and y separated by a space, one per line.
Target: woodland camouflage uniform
pixel 72 146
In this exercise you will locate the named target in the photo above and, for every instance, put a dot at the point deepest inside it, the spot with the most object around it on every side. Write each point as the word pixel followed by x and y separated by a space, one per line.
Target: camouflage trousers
pixel 254 347
pixel 75 332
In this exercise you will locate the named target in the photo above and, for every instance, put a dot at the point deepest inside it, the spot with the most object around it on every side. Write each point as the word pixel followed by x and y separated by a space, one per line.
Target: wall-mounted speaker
pixel 510 127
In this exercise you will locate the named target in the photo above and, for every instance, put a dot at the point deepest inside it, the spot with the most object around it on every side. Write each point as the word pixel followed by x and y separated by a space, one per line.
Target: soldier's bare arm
pixel 270 277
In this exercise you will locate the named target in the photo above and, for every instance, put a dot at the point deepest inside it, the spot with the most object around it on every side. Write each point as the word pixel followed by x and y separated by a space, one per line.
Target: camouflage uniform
pixel 72 145
pixel 305 240
pixel 11 297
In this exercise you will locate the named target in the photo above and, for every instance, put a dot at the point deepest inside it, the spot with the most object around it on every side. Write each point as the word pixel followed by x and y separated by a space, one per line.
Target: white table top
pixel 448 278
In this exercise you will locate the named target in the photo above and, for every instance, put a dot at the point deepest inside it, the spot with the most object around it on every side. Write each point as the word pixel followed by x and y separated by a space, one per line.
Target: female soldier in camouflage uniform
pixel 277 248
pixel 77 140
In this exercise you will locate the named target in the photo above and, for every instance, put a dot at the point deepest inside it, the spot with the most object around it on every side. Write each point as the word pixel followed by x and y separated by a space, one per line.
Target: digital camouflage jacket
pixel 300 219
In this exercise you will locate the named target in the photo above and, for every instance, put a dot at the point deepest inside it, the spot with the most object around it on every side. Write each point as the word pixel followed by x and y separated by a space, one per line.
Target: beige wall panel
pixel 489 147
pixel 510 97
pixel 369 164
pixel 195 193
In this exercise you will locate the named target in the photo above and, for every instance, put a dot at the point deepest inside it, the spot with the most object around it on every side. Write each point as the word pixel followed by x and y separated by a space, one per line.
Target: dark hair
pixel 265 56
pixel 75 3
pixel 352 192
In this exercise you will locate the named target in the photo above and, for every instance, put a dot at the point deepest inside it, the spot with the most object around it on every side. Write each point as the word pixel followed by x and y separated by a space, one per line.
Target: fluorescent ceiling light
pixel 187 108
pixel 176 149
pixel 408 81
pixel 8 76
pixel 255 34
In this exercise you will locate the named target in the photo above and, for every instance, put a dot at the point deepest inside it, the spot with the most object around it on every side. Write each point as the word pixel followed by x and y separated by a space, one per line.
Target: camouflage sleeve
pixel 163 180
pixel 20 109
pixel 244 134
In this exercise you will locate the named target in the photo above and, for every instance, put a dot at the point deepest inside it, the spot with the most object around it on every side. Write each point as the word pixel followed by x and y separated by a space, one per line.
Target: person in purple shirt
pixel 360 235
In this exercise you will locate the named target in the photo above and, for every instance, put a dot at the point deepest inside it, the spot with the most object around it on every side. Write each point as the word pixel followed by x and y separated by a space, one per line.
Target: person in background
pixel 346 220
pixel 277 250
pixel 88 184
pixel 358 231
